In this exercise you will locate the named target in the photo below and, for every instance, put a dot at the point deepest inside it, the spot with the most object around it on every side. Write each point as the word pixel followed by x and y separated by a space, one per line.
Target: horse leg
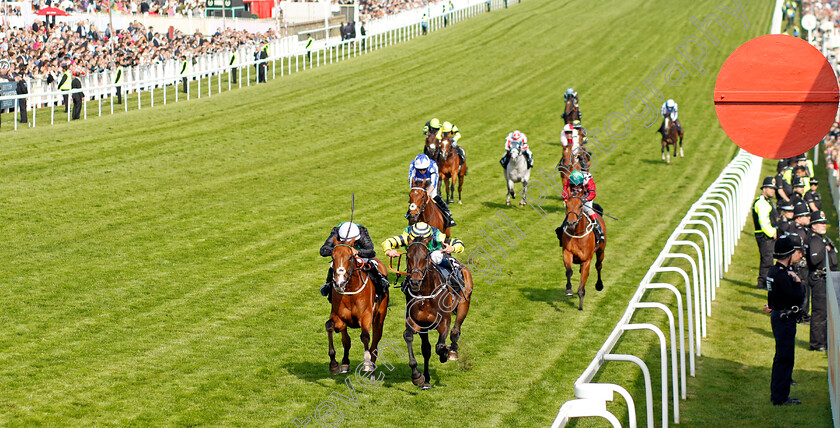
pixel 365 338
pixel 426 348
pixel 408 335
pixel 510 193
pixel 462 171
pixel 441 348
pixel 567 261
pixel 681 150
pixel 584 275
pixel 333 363
pixel 378 323
pixel 345 340
pixel 524 186
pixel 460 315
pixel 662 151
pixel 600 258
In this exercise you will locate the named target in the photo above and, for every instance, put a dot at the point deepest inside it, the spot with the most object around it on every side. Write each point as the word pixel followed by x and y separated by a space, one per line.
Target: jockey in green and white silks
pixel 424 168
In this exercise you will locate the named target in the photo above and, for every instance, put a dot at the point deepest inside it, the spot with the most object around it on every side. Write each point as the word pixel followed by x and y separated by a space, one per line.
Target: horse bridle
pixel 352 264
pixel 425 202
pixel 578 213
pixel 416 269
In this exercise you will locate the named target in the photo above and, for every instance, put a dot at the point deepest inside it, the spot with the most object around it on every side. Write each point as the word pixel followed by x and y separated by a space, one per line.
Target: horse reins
pixel 440 286
pixel 579 215
pixel 425 201
pixel 350 274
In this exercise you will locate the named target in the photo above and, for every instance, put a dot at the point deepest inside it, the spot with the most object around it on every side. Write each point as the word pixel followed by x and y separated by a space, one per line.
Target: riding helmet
pixel 434 123
pixel 576 178
pixel 447 127
pixel 420 230
pixel 348 231
pixel 422 161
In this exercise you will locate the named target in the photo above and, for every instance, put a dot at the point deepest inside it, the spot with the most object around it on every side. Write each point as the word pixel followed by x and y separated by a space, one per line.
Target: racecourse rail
pixel 717 218
pixel 290 52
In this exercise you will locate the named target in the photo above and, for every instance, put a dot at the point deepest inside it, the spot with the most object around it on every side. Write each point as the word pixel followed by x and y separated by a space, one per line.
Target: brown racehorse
pixel 572 112
pixel 450 167
pixel 422 208
pixel 429 306
pixel 579 246
pixel 354 305
pixel 568 163
pixel 432 147
pixel 671 136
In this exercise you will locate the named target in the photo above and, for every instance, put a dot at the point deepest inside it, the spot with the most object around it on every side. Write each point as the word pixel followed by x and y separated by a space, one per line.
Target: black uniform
pixel 812 197
pixel 801 270
pixel 77 97
pixel 796 199
pixel 366 251
pixel 782 185
pixel 66 97
pixel 22 89
pixel 765 241
pixel 784 295
pixel 816 258
pixel 784 226
pixel 263 66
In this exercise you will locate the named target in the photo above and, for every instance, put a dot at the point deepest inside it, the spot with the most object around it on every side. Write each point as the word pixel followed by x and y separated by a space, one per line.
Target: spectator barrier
pixel 833 318
pixel 717 218
pixel 287 55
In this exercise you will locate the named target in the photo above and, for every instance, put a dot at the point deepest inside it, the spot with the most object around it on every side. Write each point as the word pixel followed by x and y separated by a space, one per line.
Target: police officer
pixel 785 223
pixel 764 219
pixel 783 187
pixel 185 69
pixel 785 292
pixel 812 197
pixel 818 244
pixel 798 190
pixel 64 85
pixel 119 77
pixel 801 219
pixel 78 96
pixel 232 63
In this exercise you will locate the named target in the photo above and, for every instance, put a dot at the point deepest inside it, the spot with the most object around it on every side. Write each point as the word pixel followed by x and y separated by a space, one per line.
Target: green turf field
pixel 161 266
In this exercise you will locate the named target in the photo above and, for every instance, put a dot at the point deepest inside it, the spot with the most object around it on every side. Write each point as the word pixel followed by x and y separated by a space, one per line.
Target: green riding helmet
pixel 576 178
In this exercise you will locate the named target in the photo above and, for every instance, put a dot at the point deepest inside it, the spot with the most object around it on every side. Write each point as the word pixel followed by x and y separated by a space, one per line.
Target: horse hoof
pixel 345 368
pixel 443 357
pixel 334 369
pixel 569 292
pixel 368 367
pixel 507 203
pixel 459 202
pixel 522 204
pixel 453 355
pixel 426 386
pixel 419 380
pixel 599 285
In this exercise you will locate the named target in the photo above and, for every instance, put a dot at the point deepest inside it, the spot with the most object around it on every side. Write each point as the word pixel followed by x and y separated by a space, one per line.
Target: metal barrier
pixel 832 298
pixel 717 218
pixel 289 53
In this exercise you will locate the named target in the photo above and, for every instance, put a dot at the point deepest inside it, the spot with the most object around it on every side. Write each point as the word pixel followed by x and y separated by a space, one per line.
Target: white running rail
pixel 717 218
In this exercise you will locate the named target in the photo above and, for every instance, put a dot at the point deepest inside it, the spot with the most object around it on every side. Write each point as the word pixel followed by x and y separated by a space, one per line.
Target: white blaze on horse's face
pixel 432 146
pixel 412 207
pixel 341 278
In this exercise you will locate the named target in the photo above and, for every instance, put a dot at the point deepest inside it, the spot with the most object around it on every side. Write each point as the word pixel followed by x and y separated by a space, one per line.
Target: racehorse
pixel 572 112
pixel 517 171
pixel 354 305
pixel 579 246
pixel 430 302
pixel 432 147
pixel 569 163
pixel 671 135
pixel 450 167
pixel 422 208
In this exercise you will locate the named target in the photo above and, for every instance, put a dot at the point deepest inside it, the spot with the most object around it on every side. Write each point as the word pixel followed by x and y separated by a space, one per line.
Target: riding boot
pixel 445 209
pixel 584 165
pixel 379 281
pixel 462 155
pixel 529 157
pixel 599 234
pixel 504 160
pixel 326 289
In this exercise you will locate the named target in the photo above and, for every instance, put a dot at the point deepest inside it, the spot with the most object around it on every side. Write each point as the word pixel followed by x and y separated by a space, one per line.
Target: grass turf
pixel 161 266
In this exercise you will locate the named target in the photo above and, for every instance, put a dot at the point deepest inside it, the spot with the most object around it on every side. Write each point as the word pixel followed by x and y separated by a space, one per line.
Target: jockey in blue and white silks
pixel 424 168
pixel 670 110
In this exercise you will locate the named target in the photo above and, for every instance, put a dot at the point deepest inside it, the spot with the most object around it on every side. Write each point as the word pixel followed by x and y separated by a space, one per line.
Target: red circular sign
pixel 776 96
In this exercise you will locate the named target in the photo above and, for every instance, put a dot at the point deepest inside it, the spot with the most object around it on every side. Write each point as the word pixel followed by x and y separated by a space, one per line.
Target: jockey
pixel 423 168
pixel 571 136
pixel 670 109
pixel 581 184
pixel 439 247
pixel 451 131
pixel 363 248
pixel 571 93
pixel 431 126
pixel 521 138
pixel 580 130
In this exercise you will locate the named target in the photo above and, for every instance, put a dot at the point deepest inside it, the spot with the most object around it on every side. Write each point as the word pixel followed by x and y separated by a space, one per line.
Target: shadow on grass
pixel 554 297
pixel 654 162
pixel 319 371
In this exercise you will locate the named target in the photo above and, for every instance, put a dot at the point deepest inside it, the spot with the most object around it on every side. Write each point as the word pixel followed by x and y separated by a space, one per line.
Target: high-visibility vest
pixel 265 49
pixel 309 42
pixel 233 59
pixel 66 86
pixel 184 67
pixel 118 77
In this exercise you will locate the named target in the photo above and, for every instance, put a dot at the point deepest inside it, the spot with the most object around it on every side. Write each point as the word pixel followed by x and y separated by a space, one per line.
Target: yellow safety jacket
pixel 761 216
pixel 118 76
pixel 67 85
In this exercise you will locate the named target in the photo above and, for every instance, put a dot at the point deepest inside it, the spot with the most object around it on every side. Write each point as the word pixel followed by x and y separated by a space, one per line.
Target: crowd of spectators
pixel 39 52
pixel 373 9
pixel 126 7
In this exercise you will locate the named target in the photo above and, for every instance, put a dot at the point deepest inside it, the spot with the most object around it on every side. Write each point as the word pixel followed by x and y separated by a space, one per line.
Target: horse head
pixel 515 151
pixel 418 198
pixel 417 259
pixel 343 262
pixel 432 145
pixel 574 211
pixel 570 107
pixel 445 147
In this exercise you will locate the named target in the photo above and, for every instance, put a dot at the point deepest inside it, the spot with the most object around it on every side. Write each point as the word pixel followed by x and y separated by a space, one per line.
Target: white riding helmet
pixel 422 161
pixel 348 231
pixel 670 103
pixel 516 136
pixel 568 128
